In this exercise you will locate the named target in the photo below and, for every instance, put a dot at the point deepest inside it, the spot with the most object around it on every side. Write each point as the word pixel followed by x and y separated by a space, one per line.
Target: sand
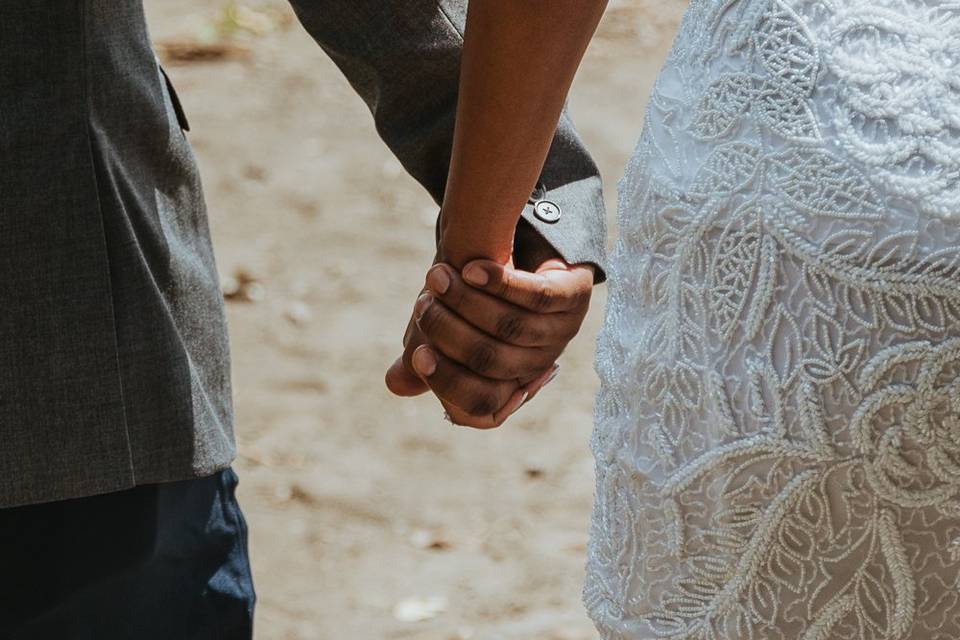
pixel 367 511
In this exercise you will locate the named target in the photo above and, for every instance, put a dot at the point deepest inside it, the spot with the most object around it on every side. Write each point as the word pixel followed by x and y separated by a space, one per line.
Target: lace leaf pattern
pixel 820 184
pixel 722 106
pixel 778 426
pixel 787 114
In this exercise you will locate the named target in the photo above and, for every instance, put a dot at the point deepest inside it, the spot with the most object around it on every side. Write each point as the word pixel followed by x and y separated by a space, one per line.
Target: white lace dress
pixel 778 430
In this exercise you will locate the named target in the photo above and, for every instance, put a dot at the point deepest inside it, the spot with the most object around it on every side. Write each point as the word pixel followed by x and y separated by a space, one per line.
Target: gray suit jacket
pixel 114 363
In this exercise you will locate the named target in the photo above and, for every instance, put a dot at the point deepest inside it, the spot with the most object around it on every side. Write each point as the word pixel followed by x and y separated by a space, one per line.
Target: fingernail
pixel 475 274
pixel 552 376
pixel 424 301
pixel 544 380
pixel 514 405
pixel 424 361
pixel 438 280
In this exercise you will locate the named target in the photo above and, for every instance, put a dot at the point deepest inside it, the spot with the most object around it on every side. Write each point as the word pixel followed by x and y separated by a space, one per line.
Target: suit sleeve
pixel 403 59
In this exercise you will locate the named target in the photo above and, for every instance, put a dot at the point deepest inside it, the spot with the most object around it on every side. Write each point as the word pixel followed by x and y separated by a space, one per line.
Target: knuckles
pixel 543 298
pixel 484 404
pixel 511 327
pixel 483 358
pixel 548 297
pixel 491 361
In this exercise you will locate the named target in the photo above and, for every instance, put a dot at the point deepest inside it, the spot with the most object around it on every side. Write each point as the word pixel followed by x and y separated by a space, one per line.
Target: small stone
pixel 254 172
pixel 242 286
pixel 283 492
pixel 423 539
pixel 298 313
pixel 230 287
pixel 419 608
pixel 255 292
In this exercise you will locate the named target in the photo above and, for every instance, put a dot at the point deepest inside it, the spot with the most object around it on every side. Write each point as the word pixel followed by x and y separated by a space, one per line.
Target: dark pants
pixel 165 562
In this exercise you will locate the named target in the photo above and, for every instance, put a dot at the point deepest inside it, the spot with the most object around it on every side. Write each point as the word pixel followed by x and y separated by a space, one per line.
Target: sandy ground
pixel 365 509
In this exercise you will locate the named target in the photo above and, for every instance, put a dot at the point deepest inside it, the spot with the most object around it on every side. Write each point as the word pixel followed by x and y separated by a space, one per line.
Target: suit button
pixel 547 211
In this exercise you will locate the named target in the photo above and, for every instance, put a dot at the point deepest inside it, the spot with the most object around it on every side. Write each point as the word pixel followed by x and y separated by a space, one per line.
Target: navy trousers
pixel 164 562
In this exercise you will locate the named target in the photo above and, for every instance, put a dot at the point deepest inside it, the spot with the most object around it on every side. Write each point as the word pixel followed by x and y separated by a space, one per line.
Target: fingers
pixel 403 382
pixel 462 419
pixel 475 350
pixel 493 344
pixel 400 378
pixel 519 398
pixel 476 401
pixel 505 321
pixel 551 289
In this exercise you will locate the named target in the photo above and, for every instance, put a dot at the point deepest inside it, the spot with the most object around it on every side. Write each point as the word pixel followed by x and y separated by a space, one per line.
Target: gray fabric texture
pixel 113 338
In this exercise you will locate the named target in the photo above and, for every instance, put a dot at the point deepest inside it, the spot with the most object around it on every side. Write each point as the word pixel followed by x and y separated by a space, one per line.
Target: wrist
pixel 458 242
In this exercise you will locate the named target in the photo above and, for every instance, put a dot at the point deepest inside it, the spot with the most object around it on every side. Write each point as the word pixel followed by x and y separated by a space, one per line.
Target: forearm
pixel 403 58
pixel 515 74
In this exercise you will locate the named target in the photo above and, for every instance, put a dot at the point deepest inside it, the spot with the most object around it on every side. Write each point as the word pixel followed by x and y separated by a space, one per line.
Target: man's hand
pixel 488 342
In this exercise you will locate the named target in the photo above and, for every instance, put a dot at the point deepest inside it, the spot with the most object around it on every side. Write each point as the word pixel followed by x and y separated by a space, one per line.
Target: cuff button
pixel 547 211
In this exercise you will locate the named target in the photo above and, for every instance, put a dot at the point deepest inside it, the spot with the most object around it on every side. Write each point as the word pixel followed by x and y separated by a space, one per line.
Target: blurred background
pixel 372 518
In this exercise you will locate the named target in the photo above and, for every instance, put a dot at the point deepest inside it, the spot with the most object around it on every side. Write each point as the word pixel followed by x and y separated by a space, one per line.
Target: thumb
pixel 553 264
pixel 401 382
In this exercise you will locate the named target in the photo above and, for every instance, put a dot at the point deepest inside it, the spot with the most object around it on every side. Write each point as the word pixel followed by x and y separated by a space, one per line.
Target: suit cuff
pixel 572 219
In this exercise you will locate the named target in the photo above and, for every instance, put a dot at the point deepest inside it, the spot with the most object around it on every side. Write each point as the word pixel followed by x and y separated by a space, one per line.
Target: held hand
pixel 460 387
pixel 487 345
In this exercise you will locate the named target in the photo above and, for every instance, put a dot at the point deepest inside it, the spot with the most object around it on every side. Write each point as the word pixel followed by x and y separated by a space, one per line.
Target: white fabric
pixel 778 428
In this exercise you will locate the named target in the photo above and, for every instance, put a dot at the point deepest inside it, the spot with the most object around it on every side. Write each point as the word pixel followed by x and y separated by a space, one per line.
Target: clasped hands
pixel 485 340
